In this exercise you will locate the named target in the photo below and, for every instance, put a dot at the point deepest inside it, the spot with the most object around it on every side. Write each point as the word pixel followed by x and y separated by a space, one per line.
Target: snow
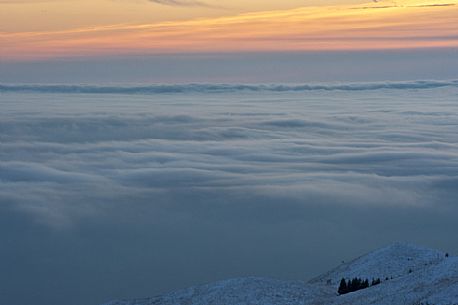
pixel 235 291
pixel 392 261
pixel 436 283
pixel 416 276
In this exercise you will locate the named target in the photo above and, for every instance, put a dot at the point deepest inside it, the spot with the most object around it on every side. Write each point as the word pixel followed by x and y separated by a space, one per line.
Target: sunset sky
pixel 38 29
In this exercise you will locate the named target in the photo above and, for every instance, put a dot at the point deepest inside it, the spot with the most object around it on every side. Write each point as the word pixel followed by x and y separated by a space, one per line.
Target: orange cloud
pixel 415 24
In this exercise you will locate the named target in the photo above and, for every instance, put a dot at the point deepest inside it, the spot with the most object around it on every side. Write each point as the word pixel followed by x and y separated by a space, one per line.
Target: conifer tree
pixel 356 284
pixel 342 287
pixel 376 282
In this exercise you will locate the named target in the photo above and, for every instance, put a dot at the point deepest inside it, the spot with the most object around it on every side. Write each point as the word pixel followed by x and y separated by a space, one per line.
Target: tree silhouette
pixel 375 282
pixel 342 287
pixel 355 284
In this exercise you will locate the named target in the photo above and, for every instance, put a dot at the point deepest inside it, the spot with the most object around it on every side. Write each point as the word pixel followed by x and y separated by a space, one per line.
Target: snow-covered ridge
pixel 410 275
pixel 392 261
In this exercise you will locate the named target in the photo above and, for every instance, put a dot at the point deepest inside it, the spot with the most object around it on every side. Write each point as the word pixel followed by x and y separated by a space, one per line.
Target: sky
pixel 149 33
pixel 49 29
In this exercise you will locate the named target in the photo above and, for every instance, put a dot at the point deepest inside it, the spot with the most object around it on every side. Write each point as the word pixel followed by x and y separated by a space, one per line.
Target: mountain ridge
pixel 409 274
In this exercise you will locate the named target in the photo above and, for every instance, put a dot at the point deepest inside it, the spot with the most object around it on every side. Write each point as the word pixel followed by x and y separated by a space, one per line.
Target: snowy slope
pixel 416 276
pixel 392 261
pixel 433 284
pixel 237 291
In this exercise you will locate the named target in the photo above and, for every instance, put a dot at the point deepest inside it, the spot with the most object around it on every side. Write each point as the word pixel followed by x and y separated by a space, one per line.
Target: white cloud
pixel 355 139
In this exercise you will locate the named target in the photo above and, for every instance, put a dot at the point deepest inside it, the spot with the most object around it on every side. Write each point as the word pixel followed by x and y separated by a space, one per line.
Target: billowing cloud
pixel 227 88
pixel 280 149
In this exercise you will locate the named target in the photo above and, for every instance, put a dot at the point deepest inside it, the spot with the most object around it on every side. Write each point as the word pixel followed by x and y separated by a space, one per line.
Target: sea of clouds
pixel 131 192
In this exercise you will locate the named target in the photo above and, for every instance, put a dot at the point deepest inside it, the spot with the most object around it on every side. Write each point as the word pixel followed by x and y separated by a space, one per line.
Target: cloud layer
pixel 226 88
pixel 119 195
